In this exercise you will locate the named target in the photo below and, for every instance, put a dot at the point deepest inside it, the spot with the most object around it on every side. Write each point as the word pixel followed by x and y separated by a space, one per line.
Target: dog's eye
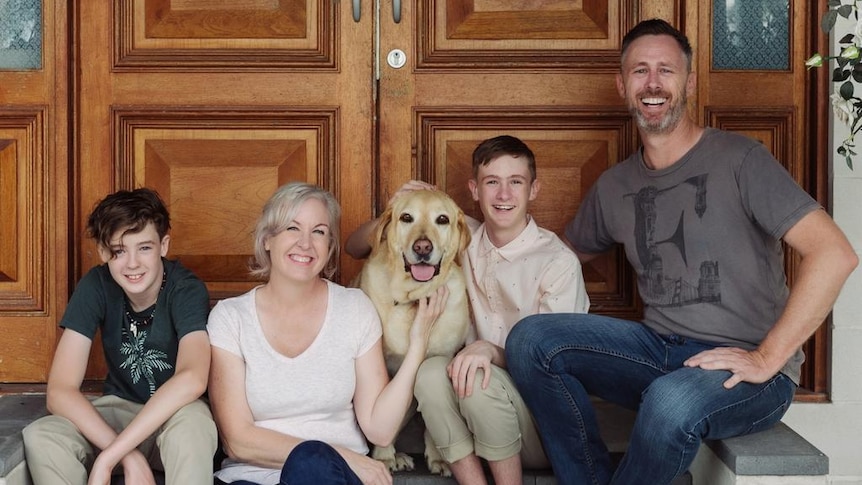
pixel 405 217
pixel 443 220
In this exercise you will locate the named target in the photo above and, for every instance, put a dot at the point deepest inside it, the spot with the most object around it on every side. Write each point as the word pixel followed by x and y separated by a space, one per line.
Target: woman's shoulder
pixel 239 303
pixel 350 300
pixel 340 291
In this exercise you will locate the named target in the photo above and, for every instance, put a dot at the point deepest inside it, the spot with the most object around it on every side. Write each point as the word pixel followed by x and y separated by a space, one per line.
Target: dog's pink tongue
pixel 422 272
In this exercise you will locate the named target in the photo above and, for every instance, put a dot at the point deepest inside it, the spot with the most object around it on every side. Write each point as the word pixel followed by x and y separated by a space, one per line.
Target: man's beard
pixel 663 125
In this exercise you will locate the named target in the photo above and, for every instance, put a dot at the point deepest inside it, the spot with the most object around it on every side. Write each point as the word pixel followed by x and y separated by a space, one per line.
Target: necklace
pixel 135 323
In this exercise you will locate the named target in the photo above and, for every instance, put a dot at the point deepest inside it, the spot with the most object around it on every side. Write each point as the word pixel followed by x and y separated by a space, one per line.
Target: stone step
pixel 776 453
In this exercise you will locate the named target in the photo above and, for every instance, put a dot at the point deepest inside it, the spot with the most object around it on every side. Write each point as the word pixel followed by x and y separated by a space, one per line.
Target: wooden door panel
pixel 505 34
pixel 215 169
pixel 176 34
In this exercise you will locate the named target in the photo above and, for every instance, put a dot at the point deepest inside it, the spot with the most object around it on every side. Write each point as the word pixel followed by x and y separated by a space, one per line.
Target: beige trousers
pixel 493 423
pixel 183 447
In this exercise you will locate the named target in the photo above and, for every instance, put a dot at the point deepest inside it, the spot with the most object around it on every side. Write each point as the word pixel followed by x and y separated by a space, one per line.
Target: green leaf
pixel 845 10
pixel 849 163
pixel 828 21
pixel 847 39
pixel 846 90
pixel 839 75
pixel 842 151
pixel 834 3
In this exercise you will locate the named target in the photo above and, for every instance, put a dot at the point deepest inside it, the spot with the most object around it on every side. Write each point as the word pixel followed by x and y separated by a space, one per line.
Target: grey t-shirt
pixel 703 236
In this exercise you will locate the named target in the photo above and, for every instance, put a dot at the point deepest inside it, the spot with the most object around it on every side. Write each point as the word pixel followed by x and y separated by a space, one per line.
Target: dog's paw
pixel 403 462
pixel 439 467
pixel 395 462
pixel 436 464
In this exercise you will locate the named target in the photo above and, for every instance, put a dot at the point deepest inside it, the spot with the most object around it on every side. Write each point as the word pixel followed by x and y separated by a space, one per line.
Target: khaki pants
pixel 493 423
pixel 183 447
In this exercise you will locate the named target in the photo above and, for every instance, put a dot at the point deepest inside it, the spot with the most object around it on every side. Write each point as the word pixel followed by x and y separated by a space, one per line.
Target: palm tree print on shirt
pixel 141 361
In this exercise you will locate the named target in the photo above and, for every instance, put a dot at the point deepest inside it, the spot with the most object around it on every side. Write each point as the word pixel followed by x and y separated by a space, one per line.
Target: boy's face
pixel 503 190
pixel 135 263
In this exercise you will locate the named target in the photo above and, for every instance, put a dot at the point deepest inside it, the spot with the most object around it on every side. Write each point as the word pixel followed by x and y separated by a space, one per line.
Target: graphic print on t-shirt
pixel 142 361
pixel 663 289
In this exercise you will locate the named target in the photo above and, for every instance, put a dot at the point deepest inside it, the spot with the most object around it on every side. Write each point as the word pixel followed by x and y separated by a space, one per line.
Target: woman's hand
pixel 429 310
pixel 369 470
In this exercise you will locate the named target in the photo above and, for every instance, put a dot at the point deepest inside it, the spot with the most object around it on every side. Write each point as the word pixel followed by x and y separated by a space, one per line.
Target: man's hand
pixel 745 365
pixel 462 369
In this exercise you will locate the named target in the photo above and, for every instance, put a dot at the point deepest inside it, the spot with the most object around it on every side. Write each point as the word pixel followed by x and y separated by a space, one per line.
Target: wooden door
pixel 215 104
pixel 33 188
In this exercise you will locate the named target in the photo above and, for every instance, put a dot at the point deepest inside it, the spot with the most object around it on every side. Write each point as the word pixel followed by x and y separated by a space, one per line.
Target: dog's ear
pixel 464 230
pixel 378 236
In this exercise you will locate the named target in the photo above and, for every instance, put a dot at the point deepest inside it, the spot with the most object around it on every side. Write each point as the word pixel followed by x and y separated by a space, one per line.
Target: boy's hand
pixel 462 369
pixel 410 186
pixel 136 470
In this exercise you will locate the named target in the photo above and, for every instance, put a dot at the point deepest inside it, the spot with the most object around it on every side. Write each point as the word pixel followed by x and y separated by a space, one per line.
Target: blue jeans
pixel 559 360
pixel 313 463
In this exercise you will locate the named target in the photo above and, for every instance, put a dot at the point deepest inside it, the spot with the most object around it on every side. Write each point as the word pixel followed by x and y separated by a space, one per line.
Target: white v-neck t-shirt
pixel 309 396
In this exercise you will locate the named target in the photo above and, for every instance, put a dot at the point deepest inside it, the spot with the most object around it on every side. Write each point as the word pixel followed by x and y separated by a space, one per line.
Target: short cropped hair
pixel 657 27
pixel 280 211
pixel 128 211
pixel 493 148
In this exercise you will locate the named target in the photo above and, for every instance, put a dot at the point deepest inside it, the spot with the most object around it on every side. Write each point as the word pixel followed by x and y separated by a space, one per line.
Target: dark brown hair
pixel 493 148
pixel 657 27
pixel 129 211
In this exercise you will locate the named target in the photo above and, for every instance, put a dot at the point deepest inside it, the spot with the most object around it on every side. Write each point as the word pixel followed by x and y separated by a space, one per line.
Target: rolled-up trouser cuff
pixel 458 450
pixel 497 453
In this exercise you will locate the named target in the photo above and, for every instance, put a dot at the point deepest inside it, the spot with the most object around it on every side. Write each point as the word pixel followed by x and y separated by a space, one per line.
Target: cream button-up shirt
pixel 534 273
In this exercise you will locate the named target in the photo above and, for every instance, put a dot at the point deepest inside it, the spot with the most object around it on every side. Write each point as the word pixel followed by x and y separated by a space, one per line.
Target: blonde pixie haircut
pixel 280 210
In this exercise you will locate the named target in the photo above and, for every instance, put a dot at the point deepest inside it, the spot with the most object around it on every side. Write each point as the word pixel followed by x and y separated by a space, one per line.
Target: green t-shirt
pixel 138 363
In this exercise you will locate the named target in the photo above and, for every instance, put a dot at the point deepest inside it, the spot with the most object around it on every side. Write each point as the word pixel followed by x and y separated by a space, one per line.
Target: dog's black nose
pixel 423 247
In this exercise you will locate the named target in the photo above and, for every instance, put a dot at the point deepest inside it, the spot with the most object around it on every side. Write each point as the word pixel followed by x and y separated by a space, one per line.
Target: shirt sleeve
pixel 770 195
pixel 189 306
pixel 587 232
pixel 563 289
pixel 369 320
pixel 87 307
pixel 223 328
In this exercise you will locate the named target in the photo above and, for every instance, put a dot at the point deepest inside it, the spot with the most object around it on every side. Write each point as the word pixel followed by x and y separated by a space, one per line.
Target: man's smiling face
pixel 655 82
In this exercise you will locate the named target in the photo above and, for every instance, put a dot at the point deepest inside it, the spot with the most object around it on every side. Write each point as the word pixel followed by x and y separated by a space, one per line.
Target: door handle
pixel 396 11
pixel 357 11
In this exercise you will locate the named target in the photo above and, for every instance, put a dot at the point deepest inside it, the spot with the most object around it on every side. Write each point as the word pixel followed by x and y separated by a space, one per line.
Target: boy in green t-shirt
pixel 152 314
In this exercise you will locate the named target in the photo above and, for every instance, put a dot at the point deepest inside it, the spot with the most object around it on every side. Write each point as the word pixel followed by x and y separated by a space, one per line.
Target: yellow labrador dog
pixel 415 249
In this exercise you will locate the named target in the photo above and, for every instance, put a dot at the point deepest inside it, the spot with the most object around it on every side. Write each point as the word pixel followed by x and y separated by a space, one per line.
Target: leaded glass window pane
pixel 20 34
pixel 751 35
